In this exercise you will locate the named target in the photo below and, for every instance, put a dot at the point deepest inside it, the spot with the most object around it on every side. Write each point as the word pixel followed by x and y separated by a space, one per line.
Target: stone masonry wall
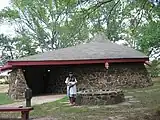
pixel 17 84
pixel 96 76
pixel 89 77
pixel 100 97
pixel 117 76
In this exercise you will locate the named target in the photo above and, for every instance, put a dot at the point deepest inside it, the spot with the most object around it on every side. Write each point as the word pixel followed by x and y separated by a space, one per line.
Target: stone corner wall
pixel 17 84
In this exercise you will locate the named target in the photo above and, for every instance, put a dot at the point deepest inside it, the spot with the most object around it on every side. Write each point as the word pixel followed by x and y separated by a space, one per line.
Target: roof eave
pixel 71 62
pixel 5 67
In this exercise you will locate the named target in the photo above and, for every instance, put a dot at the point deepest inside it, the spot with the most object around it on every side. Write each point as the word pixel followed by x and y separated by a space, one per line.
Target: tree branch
pixel 142 7
pixel 90 10
pixel 110 12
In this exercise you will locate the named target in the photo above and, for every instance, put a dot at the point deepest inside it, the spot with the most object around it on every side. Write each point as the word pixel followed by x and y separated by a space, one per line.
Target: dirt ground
pixel 37 100
pixel 45 118
pixel 4 88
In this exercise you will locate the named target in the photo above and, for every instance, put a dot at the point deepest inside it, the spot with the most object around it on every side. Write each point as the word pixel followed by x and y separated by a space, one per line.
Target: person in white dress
pixel 71 88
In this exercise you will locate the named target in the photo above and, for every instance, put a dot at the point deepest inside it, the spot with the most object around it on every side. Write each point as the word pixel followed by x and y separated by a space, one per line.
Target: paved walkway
pixel 37 100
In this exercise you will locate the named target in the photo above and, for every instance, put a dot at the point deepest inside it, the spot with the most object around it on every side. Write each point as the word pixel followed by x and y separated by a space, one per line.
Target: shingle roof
pixel 98 48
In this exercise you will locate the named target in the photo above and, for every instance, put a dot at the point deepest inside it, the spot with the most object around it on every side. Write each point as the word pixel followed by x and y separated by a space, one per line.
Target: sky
pixel 4 3
pixel 5 28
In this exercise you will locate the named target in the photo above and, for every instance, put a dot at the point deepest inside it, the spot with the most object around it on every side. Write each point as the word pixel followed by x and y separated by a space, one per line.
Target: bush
pixel 154 69
pixel 4 82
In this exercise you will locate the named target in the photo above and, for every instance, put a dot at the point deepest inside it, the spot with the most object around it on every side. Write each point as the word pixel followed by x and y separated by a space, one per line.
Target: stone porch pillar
pixel 17 84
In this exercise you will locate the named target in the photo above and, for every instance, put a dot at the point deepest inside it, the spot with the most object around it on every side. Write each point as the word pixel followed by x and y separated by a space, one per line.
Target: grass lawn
pixel 145 101
pixel 4 99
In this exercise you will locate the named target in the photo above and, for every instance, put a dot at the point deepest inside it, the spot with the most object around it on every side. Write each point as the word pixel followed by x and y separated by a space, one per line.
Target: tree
pixel 12 48
pixel 52 24
pixel 6 48
pixel 149 39
pixel 154 68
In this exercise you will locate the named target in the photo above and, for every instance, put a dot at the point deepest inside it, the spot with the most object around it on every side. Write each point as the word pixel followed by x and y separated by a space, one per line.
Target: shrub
pixel 154 69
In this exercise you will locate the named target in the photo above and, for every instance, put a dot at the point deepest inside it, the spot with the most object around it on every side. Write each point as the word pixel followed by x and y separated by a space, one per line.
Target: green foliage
pixel 6 47
pixel 9 14
pixel 4 82
pixel 13 48
pixel 45 20
pixel 45 25
pixel 24 47
pixel 154 69
pixel 149 39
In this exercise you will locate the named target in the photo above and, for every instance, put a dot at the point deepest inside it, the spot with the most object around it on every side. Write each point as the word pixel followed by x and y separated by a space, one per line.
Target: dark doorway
pixel 46 79
pixel 34 79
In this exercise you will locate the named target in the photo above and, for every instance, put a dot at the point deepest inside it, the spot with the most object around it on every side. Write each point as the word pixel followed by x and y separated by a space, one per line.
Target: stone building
pixel 98 64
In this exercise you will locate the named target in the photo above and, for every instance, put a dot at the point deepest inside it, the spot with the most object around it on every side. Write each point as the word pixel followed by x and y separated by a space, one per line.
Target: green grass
pixel 149 99
pixel 149 102
pixel 4 99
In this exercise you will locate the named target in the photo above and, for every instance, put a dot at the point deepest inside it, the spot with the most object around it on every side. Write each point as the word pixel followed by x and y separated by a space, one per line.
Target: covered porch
pixel 46 79
pixel 49 79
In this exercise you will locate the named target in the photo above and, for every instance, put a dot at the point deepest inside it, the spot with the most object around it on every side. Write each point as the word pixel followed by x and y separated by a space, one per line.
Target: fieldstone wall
pixel 17 84
pixel 96 76
pixel 100 97
pixel 89 77
pixel 120 75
